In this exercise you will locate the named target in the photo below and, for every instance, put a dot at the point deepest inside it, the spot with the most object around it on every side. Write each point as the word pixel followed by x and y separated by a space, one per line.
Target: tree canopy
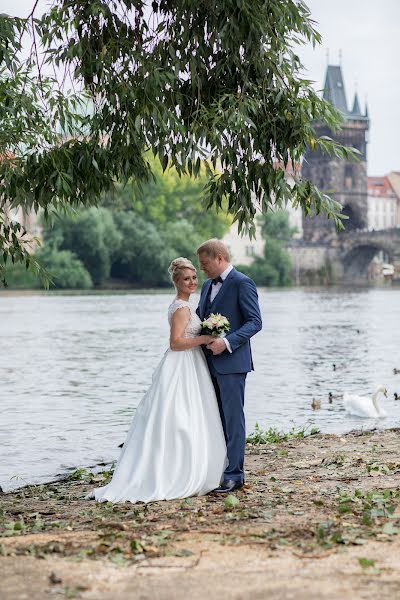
pixel 188 80
pixel 168 197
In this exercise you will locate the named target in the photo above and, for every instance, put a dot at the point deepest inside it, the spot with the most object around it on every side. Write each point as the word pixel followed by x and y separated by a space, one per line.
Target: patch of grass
pixel 274 436
pixel 107 475
pixel 80 474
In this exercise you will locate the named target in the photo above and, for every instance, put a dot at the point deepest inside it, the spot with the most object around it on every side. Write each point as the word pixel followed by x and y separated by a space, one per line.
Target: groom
pixel 233 295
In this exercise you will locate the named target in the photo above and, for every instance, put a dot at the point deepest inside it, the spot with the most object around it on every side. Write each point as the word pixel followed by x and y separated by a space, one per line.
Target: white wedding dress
pixel 175 446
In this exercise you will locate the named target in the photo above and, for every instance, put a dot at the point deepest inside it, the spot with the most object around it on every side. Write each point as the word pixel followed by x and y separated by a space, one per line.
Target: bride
pixel 175 446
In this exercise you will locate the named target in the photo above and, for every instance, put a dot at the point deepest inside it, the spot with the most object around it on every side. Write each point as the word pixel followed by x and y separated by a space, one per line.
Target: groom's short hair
pixel 214 248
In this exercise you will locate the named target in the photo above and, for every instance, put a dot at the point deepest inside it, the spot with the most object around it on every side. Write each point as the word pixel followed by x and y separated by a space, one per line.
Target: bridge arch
pixel 359 257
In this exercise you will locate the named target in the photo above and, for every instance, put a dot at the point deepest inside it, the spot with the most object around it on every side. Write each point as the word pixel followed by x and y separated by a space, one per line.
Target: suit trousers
pixel 229 390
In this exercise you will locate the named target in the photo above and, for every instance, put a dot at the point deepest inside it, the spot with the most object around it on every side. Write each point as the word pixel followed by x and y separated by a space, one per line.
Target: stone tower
pixel 343 180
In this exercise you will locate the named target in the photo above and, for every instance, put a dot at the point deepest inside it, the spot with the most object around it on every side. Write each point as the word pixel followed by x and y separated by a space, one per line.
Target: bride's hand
pixel 207 339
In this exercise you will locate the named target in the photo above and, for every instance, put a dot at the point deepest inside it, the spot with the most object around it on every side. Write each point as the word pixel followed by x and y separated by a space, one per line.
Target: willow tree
pixel 193 81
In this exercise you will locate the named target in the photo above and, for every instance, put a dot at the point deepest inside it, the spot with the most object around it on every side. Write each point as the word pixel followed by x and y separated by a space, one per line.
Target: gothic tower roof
pixel 356 106
pixel 334 90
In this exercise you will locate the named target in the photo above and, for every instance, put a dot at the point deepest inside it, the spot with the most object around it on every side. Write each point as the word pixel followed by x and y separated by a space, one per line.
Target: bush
pixel 18 277
pixel 66 270
pixel 274 270
pixel 262 273
pixel 275 267
pixel 93 238
pixel 142 258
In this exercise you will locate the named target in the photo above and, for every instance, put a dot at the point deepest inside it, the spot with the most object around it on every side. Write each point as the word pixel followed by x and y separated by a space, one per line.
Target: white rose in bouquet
pixel 216 325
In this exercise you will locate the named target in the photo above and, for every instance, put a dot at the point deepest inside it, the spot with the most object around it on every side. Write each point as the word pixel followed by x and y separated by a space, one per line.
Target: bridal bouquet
pixel 216 325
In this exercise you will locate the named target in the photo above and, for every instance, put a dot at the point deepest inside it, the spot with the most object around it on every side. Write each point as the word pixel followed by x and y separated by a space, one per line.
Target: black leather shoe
pixel 228 485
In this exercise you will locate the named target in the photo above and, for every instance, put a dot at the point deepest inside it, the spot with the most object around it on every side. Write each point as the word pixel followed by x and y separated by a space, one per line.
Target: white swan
pixel 362 406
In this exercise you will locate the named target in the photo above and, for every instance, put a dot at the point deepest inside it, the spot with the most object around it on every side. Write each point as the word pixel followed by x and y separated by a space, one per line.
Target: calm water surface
pixel 73 368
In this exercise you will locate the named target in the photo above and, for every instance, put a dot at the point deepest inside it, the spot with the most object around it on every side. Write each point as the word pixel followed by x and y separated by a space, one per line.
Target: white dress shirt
pixel 215 287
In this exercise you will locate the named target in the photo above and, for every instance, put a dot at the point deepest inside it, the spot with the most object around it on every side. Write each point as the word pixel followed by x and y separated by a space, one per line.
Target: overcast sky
pixel 367 32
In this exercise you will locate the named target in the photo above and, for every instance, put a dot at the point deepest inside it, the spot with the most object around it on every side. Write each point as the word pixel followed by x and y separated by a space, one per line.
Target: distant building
pixel 394 178
pixel 344 180
pixel 241 248
pixel 382 204
pixel 26 217
pixel 29 220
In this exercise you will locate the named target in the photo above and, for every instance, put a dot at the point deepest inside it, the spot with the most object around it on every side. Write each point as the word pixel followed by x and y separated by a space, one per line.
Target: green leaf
pixel 136 547
pixel 231 502
pixel 366 563
pixel 390 529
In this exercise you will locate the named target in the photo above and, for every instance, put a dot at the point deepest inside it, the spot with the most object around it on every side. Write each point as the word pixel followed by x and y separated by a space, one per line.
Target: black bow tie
pixel 217 280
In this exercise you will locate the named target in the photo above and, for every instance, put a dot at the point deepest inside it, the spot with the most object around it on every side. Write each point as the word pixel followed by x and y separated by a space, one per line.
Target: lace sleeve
pixel 174 307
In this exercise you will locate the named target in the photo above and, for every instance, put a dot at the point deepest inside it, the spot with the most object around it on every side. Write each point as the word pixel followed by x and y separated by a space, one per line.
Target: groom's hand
pixel 217 346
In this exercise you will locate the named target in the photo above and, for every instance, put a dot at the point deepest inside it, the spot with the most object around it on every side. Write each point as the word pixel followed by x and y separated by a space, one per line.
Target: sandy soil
pixel 318 518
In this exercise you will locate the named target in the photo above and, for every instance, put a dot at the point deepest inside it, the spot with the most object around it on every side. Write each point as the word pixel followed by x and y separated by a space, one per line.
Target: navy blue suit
pixel 238 301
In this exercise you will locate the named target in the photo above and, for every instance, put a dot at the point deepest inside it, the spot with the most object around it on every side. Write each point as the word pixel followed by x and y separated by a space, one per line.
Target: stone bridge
pixel 345 257
pixel 356 249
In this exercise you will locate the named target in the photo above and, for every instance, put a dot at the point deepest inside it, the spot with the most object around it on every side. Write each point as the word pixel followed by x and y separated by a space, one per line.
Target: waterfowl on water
pixel 332 397
pixel 364 406
pixel 335 366
pixel 315 404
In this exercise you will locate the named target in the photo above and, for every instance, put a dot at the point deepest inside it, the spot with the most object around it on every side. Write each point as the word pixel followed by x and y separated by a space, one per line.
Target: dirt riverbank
pixel 319 517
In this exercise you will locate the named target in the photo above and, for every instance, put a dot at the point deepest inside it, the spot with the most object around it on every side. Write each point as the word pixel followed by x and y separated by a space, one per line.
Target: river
pixel 73 368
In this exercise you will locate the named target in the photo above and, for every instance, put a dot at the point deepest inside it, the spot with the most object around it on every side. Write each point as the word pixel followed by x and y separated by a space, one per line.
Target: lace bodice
pixel 193 328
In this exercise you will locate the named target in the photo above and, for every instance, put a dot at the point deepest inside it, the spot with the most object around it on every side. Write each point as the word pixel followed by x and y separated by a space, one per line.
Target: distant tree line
pixel 130 238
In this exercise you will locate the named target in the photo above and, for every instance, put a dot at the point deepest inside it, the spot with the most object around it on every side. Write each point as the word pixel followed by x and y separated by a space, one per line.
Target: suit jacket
pixel 238 301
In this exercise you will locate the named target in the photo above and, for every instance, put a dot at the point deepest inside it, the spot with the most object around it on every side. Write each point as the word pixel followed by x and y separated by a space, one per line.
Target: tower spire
pixel 356 110
pixel 334 90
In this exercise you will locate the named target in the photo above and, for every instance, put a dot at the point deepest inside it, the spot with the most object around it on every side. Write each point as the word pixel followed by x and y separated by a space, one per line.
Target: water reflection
pixel 73 368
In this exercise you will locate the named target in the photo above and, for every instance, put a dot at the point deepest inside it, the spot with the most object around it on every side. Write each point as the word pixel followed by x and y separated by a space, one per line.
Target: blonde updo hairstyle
pixel 176 267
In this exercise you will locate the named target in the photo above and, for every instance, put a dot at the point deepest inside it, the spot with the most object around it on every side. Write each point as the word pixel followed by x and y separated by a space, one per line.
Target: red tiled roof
pixel 380 187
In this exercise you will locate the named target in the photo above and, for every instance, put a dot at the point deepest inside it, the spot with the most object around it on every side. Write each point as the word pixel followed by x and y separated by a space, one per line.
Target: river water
pixel 74 367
